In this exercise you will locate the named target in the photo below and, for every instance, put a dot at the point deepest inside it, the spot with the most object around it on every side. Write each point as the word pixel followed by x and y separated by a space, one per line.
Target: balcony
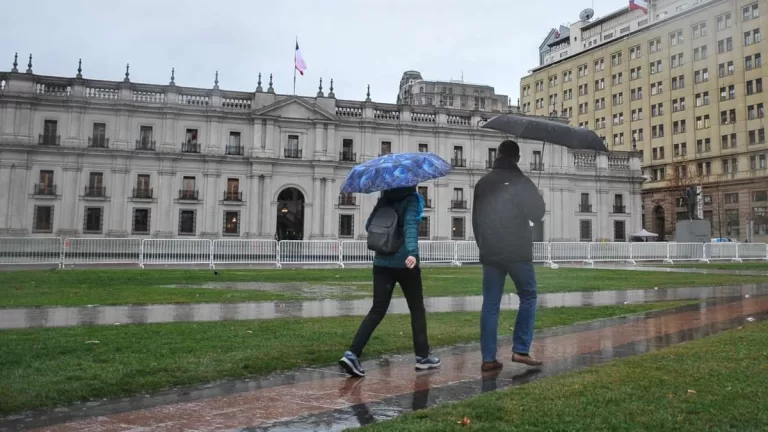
pixel 458 163
pixel 188 195
pixel 45 190
pixel 459 204
pixel 145 145
pixel 292 153
pixel 142 193
pixel 489 164
pixel 233 196
pixel 49 140
pixel 189 147
pixel 585 208
pixel 347 156
pixel 233 150
pixel 347 200
pixel 537 166
pixel 95 192
pixel 619 209
pixel 98 142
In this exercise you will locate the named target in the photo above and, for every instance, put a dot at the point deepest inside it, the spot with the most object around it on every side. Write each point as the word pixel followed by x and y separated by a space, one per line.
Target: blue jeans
pixel 524 277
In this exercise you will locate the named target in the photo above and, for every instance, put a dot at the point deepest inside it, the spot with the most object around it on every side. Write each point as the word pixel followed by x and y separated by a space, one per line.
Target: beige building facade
pixel 687 90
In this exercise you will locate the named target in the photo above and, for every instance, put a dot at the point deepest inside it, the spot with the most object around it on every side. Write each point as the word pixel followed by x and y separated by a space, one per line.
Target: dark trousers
pixel 384 279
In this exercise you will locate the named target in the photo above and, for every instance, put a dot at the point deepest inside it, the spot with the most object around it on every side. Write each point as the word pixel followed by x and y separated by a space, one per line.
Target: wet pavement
pixel 207 312
pixel 672 269
pixel 325 400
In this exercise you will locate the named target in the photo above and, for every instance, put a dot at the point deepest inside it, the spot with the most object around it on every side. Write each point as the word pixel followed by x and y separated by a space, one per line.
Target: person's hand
pixel 410 262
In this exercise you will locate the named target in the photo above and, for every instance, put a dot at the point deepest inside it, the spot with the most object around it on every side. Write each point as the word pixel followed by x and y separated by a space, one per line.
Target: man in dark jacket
pixel 505 201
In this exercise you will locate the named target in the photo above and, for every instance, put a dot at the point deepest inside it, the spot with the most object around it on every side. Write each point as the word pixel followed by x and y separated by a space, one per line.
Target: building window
pixel 292 150
pixel 50 133
pixel 99 138
pixel 95 188
pixel 423 148
pixel 190 144
pixel 760 218
pixel 233 192
pixel 585 230
pixel 386 148
pixel 457 228
pixel 458 157
pixel 233 146
pixel 231 223
pixel 42 219
pixel 188 191
pixel 141 219
pixel 424 229
pixel 187 219
pixel 750 12
pixel 724 21
pixel 46 186
pixel 619 231
pixel 346 225
pixel 142 189
pixel 94 217
pixel 755 86
pixel 145 141
pixel 701 75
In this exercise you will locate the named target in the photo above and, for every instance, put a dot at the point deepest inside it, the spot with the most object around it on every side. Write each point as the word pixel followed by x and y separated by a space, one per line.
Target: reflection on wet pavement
pixel 671 269
pixel 326 400
pixel 205 312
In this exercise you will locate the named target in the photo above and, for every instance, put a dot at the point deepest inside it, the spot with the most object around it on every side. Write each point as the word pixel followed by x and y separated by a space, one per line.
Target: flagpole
pixel 294 65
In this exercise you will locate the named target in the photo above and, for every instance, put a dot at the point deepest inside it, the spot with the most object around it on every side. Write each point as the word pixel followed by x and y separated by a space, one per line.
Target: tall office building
pixel 682 83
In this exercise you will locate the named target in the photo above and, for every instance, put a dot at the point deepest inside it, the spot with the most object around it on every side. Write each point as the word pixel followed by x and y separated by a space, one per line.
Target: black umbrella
pixel 543 129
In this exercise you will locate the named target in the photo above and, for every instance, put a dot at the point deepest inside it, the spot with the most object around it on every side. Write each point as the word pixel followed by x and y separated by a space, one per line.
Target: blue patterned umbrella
pixel 393 171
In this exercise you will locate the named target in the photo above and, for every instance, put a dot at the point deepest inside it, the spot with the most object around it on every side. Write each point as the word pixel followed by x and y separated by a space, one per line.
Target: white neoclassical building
pixel 81 157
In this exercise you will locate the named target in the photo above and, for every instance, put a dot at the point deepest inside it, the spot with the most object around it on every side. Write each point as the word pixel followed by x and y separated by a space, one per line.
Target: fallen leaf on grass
pixel 691 391
pixel 750 319
pixel 464 422
pixel 249 331
pixel 92 342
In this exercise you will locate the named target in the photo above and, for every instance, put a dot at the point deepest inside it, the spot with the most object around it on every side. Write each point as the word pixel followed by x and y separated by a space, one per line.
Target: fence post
pixel 278 264
pixel 704 259
pixel 738 256
pixel 61 253
pixel 632 254
pixel 341 254
pixel 589 261
pixel 455 262
pixel 141 254
pixel 211 264
pixel 668 259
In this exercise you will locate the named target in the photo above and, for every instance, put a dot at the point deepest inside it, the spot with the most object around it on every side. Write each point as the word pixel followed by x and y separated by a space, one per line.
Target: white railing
pixel 101 251
pixel 30 250
pixel 193 251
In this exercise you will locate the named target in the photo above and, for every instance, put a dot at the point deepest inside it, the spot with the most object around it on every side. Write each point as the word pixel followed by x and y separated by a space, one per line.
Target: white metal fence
pixel 193 251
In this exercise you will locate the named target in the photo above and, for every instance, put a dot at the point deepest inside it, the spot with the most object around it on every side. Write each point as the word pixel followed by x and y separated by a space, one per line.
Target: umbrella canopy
pixel 644 234
pixel 542 129
pixel 393 171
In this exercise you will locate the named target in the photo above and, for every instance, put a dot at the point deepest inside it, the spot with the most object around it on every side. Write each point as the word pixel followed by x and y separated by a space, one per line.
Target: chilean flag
pixel 639 4
pixel 298 60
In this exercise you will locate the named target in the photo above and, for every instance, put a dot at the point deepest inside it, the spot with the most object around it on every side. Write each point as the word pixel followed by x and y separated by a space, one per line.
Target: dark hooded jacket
pixel 406 202
pixel 505 200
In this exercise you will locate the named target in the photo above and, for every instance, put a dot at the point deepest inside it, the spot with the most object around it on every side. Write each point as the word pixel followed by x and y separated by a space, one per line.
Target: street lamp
pixel 284 210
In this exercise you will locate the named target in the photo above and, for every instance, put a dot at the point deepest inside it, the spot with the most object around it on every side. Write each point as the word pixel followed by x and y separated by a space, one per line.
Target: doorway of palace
pixel 658 216
pixel 290 215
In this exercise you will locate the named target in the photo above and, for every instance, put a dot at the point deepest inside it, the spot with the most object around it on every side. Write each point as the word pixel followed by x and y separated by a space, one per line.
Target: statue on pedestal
pixel 690 195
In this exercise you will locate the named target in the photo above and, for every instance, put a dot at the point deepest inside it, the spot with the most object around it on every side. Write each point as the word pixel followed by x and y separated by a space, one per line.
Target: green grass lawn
pixel 717 383
pixel 111 287
pixel 49 367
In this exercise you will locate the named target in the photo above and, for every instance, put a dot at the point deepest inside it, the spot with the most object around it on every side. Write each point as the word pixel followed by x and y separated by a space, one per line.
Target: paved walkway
pixel 326 400
pixel 206 312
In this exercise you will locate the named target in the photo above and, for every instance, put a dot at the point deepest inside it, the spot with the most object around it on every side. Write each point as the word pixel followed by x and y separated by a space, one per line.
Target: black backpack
pixel 385 231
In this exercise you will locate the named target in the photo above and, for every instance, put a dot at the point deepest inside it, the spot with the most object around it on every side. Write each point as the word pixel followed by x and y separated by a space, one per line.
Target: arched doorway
pixel 658 217
pixel 290 215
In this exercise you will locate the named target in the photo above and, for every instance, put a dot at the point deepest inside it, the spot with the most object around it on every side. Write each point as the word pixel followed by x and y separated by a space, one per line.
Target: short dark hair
pixel 509 149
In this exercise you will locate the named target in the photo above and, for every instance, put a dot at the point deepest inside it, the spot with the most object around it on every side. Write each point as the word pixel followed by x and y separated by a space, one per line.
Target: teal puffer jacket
pixel 408 207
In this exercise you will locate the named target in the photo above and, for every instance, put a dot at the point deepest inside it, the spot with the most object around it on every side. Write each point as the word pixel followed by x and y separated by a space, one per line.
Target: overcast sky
pixel 354 42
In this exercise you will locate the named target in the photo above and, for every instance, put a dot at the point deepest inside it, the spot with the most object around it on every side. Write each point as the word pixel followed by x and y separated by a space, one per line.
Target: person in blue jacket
pixel 402 267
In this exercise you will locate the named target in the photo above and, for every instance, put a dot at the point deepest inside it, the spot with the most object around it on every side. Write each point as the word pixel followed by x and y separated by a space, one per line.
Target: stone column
pixel 315 213
pixel 256 145
pixel 330 142
pixel 5 198
pixel 269 146
pixel 266 203
pixel 252 206
pixel 329 215
pixel 319 153
pixel 70 200
pixel 166 217
pixel 210 206
pixel 118 193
